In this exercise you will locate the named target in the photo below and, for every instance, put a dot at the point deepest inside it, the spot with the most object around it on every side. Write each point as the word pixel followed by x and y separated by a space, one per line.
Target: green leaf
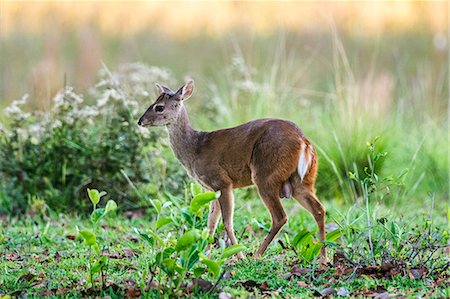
pixel 89 237
pixel 301 238
pixel 187 239
pixel 312 251
pixel 99 265
pixel 146 236
pixel 213 267
pixel 168 266
pixel 94 196
pixel 232 250
pixel 195 189
pixel 334 235
pixel 97 214
pixel 158 205
pixel 201 200
pixel 111 205
pixel 193 259
pixel 198 272
pixel 96 248
pixel 163 221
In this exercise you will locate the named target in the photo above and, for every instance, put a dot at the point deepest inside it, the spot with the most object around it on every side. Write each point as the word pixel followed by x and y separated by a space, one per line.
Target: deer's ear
pixel 163 89
pixel 186 90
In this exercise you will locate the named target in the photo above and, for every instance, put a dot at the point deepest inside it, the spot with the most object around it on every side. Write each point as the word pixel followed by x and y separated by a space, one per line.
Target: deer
pixel 272 154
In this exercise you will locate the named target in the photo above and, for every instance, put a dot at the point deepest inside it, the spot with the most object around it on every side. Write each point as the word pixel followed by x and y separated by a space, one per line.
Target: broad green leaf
pixel 198 272
pixel 301 238
pixel 163 221
pixel 168 265
pixel 187 239
pixel 89 237
pixel 158 205
pixel 201 200
pixel 97 214
pixel 99 265
pixel 213 267
pixel 180 270
pixel 232 250
pixel 96 248
pixel 195 189
pixel 311 251
pixel 334 235
pixel 111 205
pixel 193 259
pixel 187 216
pixel 94 196
pixel 147 237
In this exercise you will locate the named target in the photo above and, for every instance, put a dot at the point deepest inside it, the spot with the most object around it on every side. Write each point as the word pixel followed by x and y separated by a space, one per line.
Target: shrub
pixel 85 141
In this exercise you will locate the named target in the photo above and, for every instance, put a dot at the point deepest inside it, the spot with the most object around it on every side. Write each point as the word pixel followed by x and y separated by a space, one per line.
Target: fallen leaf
pixel 328 292
pixel 417 273
pixel 297 271
pixel 343 292
pixel 201 284
pixel 71 237
pixel 384 295
pixel 264 286
pixel 133 292
pixel 151 284
pixel 128 253
pixel 303 284
pixel 27 277
pixel 224 295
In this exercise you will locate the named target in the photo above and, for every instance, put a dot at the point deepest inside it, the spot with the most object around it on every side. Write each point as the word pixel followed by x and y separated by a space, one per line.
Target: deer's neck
pixel 183 139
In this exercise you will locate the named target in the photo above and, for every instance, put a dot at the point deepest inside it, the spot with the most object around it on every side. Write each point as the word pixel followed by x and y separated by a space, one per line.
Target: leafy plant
pixel 98 263
pixel 178 257
pixel 308 249
pixel 85 140
pixel 371 184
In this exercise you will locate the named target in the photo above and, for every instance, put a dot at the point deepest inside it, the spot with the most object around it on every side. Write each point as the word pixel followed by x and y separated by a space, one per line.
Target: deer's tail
pixel 304 162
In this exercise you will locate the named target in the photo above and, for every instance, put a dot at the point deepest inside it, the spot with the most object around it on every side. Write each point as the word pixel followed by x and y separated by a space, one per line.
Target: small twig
pixel 217 282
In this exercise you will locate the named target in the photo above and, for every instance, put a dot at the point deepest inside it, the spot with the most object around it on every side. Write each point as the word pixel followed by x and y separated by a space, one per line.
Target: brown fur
pixel 263 152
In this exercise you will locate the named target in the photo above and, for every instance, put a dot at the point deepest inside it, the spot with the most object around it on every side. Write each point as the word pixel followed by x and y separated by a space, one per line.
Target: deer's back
pixel 229 156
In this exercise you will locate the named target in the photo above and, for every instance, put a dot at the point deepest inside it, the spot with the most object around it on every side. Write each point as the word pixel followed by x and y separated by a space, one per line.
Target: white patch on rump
pixel 304 161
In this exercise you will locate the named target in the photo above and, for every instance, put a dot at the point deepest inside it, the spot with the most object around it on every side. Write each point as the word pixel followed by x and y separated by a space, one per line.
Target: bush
pixel 85 141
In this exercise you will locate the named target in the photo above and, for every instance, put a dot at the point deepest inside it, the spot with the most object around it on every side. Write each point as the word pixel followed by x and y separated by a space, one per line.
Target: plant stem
pixel 369 222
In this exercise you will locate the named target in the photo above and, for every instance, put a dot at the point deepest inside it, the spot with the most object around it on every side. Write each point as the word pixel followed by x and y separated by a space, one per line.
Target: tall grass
pixel 359 103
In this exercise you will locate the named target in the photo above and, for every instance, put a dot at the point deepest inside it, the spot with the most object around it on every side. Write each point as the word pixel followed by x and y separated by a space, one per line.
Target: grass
pixel 45 256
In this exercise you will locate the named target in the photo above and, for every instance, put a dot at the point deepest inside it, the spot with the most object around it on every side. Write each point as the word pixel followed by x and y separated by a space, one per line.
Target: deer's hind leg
pixel 305 195
pixel 270 197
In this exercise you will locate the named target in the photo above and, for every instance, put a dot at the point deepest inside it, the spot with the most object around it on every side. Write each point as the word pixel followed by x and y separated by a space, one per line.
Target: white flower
pixel 144 131
pixel 14 110
pixel 11 110
pixel 56 124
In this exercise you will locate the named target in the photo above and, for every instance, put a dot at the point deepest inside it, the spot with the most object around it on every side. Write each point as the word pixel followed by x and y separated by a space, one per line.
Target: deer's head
pixel 167 107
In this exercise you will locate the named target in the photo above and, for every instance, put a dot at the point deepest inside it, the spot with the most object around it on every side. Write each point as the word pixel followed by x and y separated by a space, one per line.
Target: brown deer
pixel 272 154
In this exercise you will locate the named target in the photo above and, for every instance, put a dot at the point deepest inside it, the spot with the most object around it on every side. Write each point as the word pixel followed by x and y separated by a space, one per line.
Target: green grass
pixel 45 253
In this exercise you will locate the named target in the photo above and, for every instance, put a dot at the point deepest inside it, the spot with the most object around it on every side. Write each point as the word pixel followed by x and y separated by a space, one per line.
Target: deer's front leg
pixel 226 201
pixel 213 217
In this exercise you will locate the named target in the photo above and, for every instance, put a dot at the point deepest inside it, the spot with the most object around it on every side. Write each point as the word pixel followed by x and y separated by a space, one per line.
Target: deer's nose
pixel 140 122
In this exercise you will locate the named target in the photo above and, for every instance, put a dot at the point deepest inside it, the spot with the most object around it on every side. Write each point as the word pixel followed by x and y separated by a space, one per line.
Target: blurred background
pixel 345 72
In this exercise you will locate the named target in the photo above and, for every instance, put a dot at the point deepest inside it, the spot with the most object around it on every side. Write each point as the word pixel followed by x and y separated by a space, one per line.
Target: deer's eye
pixel 159 108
